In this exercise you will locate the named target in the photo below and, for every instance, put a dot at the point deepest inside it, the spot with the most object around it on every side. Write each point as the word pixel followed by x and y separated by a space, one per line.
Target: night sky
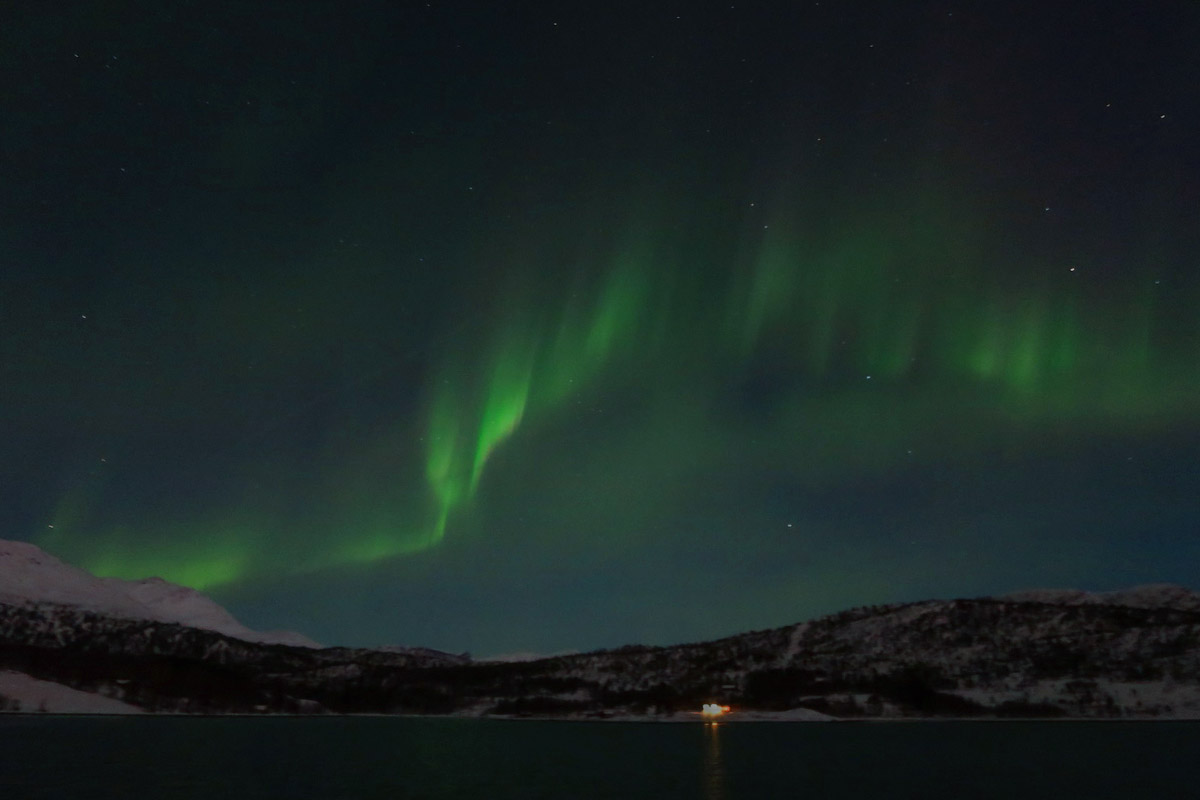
pixel 533 327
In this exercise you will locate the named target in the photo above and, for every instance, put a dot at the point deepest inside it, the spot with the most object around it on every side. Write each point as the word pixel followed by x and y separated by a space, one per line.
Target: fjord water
pixel 339 758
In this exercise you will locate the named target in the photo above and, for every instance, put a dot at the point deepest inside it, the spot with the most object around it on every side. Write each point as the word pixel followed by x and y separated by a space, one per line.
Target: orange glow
pixel 712 710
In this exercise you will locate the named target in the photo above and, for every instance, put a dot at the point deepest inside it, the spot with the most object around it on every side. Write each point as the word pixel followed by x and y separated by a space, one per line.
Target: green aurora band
pixel 917 307
pixel 867 306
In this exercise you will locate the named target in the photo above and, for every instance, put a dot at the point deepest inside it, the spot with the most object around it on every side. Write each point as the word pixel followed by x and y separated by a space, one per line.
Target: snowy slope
pixel 1153 595
pixel 28 574
pixel 19 692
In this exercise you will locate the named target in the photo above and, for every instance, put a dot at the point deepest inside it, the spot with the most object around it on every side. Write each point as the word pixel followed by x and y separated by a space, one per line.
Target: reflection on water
pixel 714 769
pixel 386 758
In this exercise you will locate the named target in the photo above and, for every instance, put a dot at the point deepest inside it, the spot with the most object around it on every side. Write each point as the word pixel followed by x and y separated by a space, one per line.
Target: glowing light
pixel 190 555
pixel 504 407
pixel 527 369
pixel 865 329
pixel 713 710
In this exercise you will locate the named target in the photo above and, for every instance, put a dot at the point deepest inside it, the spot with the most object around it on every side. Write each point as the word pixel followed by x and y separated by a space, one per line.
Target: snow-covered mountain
pixel 1153 595
pixel 1132 654
pixel 28 574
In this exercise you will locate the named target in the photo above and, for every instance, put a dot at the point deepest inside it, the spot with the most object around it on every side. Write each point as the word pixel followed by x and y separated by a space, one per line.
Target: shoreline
pixel 693 718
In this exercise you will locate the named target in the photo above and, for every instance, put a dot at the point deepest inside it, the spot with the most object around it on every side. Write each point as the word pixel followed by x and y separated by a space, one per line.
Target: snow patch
pixel 28 574
pixel 30 694
pixel 1153 595
pixel 512 658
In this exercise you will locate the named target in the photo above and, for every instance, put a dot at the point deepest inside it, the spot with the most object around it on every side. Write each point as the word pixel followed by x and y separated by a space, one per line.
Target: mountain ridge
pixel 1133 653
pixel 30 574
pixel 1150 595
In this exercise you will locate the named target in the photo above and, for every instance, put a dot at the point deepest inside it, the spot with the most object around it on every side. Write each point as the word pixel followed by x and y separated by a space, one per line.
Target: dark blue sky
pixel 513 326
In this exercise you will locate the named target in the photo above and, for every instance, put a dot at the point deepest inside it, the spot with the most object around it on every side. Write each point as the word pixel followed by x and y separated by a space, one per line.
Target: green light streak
pixel 875 300
pixel 504 405
pixel 186 554
pixel 773 287
pixel 199 569
pixel 593 329
pixel 530 369
pixel 910 303
pixel 376 545
pixel 441 469
pixel 617 316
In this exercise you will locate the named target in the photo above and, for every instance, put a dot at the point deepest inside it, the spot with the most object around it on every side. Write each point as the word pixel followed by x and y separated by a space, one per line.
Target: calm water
pixel 330 758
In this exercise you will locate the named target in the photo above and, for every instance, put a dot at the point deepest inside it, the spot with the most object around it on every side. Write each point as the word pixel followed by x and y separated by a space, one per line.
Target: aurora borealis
pixel 540 328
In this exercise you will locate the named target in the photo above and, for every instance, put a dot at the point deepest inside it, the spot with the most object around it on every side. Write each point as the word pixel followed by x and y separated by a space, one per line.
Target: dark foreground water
pixel 331 758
